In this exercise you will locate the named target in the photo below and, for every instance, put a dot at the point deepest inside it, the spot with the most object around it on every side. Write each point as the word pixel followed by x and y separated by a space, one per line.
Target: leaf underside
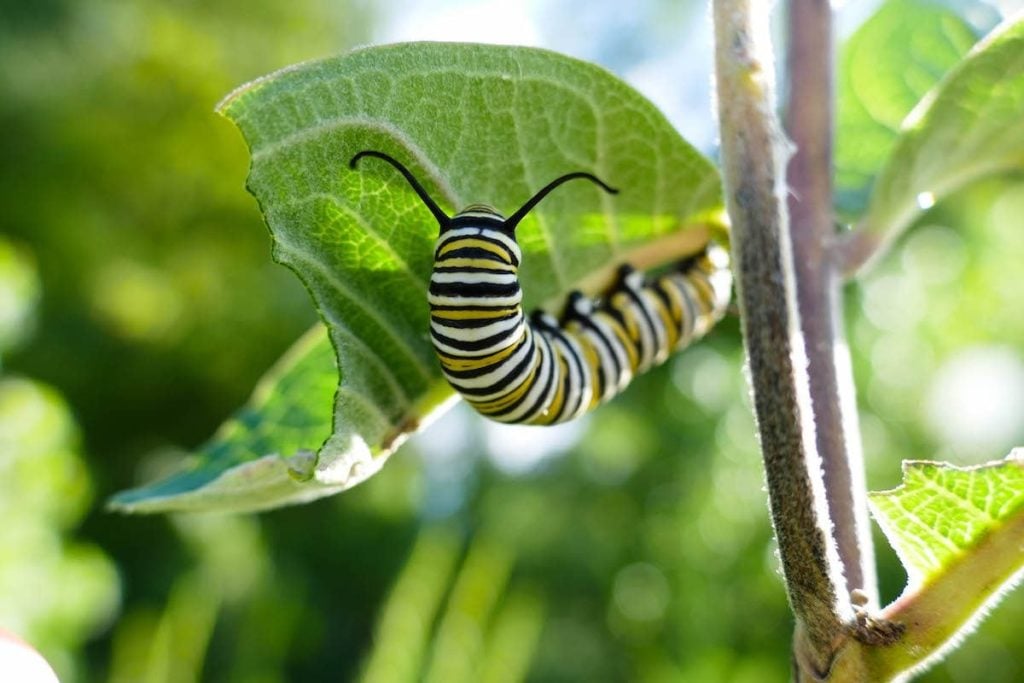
pixel 475 124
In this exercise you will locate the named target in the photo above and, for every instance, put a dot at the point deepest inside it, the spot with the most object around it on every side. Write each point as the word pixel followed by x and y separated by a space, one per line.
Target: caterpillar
pixel 540 370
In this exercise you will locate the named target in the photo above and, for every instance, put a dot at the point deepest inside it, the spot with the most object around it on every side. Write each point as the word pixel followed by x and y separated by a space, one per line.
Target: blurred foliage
pixel 54 591
pixel 946 295
pixel 150 256
pixel 629 550
pixel 19 295
pixel 926 40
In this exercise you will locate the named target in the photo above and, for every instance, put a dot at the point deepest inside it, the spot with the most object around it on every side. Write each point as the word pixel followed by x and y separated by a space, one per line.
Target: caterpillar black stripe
pixel 541 370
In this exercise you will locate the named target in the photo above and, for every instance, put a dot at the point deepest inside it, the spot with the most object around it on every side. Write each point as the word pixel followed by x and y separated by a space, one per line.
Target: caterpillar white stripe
pixel 540 370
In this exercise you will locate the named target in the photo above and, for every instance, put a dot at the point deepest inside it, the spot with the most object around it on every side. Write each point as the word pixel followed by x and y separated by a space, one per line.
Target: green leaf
pixel 959 533
pixel 886 67
pixel 942 511
pixel 474 123
pixel 242 467
pixel 968 127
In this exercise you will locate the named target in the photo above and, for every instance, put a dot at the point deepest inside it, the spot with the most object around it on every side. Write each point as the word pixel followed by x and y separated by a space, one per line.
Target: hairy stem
pixel 753 153
pixel 809 122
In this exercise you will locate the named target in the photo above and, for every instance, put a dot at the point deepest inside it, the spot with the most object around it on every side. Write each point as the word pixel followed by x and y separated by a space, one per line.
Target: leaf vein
pixel 368 229
pixel 332 279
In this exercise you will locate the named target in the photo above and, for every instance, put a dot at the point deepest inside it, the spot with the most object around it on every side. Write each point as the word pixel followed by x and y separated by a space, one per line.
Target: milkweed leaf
pixel 885 68
pixel 959 532
pixel 474 123
pixel 969 126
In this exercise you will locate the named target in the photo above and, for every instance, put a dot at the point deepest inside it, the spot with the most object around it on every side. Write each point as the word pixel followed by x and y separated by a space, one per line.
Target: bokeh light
pixel 139 306
pixel 975 402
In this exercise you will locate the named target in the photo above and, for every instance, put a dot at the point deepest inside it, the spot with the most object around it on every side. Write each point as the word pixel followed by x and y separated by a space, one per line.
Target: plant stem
pixel 753 163
pixel 809 124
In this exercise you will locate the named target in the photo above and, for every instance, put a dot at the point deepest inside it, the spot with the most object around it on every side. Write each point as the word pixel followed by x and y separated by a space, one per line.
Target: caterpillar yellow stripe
pixel 539 370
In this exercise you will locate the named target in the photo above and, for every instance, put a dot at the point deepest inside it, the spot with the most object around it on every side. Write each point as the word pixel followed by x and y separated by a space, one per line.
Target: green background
pixel 139 307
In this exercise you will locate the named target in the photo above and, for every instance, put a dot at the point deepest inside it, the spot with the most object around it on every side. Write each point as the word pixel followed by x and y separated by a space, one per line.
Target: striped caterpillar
pixel 539 370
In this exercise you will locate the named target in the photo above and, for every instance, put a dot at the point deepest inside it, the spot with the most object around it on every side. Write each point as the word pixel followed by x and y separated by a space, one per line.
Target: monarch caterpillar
pixel 539 370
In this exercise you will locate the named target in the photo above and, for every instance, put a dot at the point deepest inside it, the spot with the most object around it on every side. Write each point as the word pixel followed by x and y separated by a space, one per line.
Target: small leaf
pixel 240 468
pixel 960 535
pixel 968 127
pixel 474 123
pixel 886 67
pixel 941 511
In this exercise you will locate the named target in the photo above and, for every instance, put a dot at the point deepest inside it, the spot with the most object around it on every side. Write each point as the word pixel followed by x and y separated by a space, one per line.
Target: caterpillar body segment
pixel 540 370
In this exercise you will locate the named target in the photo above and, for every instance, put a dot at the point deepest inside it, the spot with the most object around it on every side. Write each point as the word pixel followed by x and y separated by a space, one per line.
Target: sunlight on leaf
pixel 941 511
pixel 959 533
pixel 474 123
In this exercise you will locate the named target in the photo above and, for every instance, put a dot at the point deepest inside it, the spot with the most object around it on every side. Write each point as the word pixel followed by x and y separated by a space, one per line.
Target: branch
pixel 809 121
pixel 753 161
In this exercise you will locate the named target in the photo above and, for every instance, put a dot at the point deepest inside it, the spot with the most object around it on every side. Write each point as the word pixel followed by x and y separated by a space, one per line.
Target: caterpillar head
pixel 477 214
